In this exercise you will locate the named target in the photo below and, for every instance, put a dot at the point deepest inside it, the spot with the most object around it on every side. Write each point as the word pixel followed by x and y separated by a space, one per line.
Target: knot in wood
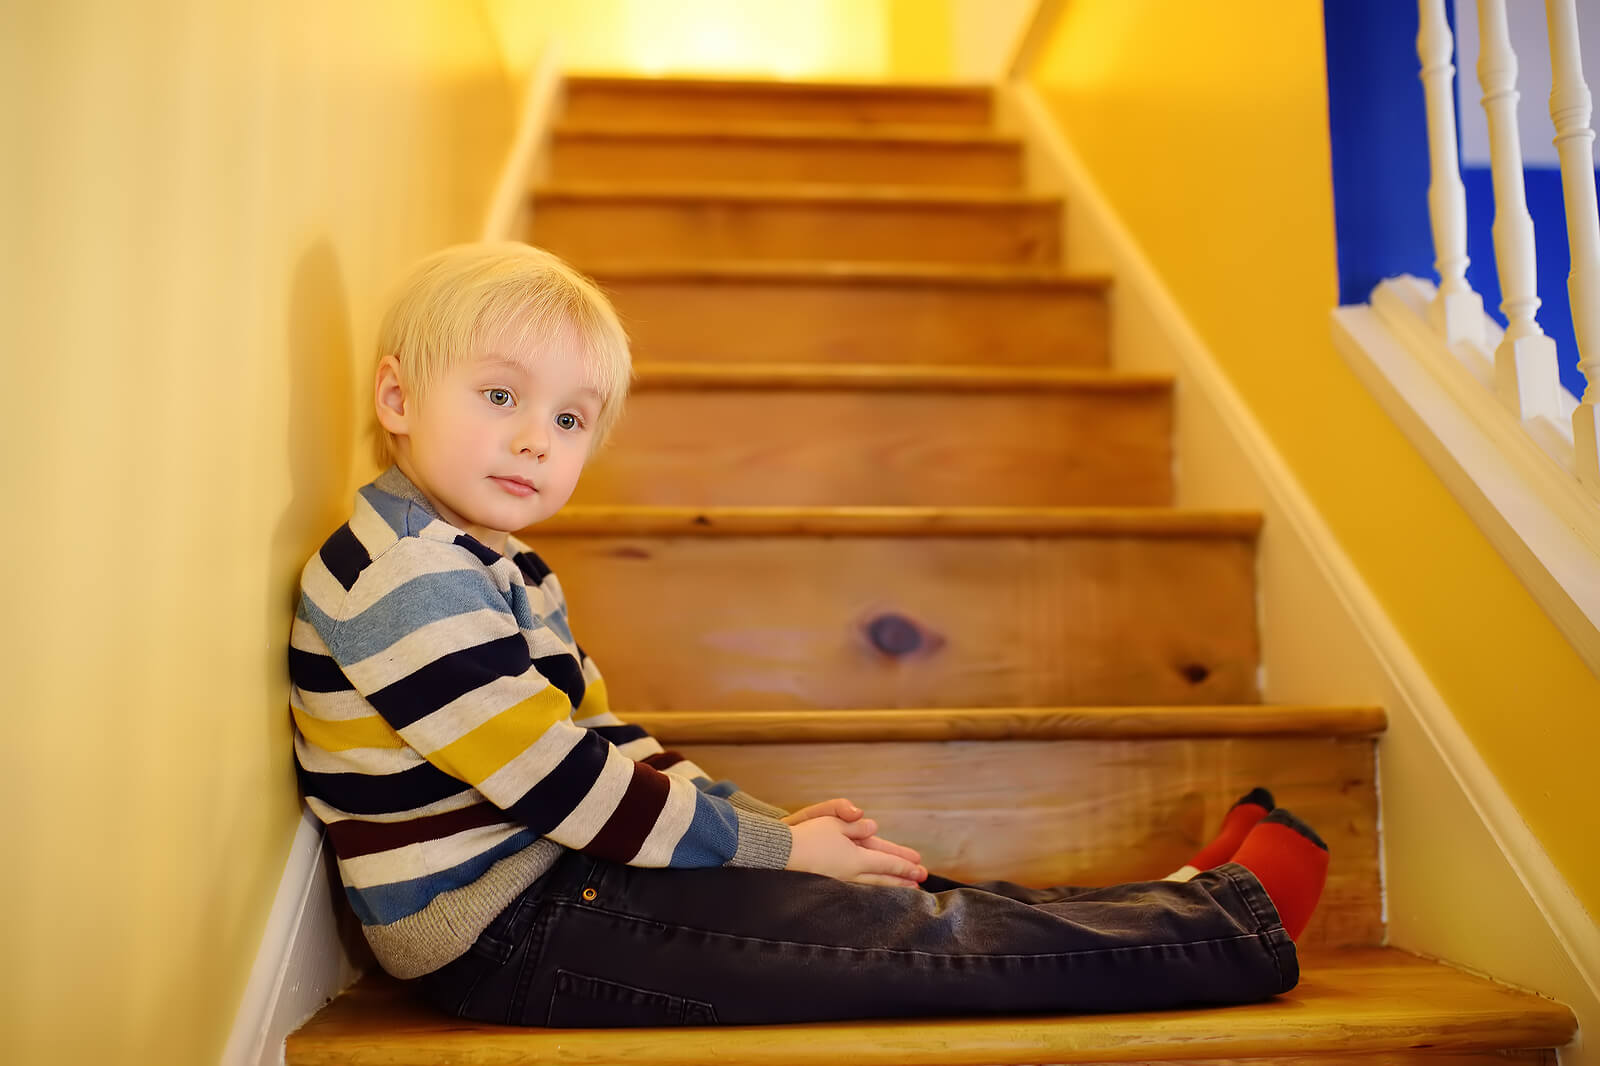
pixel 895 635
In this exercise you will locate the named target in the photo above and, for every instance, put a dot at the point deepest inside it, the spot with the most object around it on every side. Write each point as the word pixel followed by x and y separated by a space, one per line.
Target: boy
pixel 529 858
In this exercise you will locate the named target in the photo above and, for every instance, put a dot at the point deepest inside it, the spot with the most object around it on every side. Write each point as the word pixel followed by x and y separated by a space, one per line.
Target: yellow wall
pixel 203 202
pixel 1206 125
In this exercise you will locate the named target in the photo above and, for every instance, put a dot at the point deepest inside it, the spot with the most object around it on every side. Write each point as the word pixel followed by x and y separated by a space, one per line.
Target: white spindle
pixel 1570 108
pixel 1526 371
pixel 1457 311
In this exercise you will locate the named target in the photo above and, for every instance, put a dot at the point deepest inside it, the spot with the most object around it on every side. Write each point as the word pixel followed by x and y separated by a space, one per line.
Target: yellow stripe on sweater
pixel 478 755
pixel 368 731
pixel 594 702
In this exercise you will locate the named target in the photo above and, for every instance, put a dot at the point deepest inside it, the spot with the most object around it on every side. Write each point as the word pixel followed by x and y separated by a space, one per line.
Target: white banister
pixel 1526 370
pixel 1570 109
pixel 1457 311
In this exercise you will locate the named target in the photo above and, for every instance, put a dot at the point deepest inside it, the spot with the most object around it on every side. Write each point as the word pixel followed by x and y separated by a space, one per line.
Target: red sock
pixel 1240 819
pixel 1291 862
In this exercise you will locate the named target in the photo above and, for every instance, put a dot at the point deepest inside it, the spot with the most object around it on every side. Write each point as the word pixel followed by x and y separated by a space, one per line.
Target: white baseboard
pixel 301 963
pixel 1544 939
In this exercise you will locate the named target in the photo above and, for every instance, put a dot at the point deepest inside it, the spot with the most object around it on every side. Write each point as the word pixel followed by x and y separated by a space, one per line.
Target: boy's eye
pixel 499 397
pixel 567 420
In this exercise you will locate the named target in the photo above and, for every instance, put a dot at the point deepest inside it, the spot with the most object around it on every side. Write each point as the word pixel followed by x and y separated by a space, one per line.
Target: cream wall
pixel 839 39
pixel 1206 126
pixel 202 204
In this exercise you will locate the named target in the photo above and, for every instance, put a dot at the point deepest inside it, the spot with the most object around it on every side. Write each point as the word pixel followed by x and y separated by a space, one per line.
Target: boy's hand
pixel 835 848
pixel 846 811
pixel 841 809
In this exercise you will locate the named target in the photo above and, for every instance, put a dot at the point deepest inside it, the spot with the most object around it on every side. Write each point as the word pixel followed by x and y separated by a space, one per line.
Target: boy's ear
pixel 391 398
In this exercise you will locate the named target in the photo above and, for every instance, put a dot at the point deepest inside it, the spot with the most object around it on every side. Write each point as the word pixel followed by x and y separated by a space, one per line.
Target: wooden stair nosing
pixel 1008 723
pixel 814 87
pixel 1362 1000
pixel 1149 522
pixel 879 197
pixel 898 377
pixel 848 273
pixel 789 133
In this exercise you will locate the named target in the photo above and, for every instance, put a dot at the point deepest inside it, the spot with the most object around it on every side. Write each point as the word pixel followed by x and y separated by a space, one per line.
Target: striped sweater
pixel 455 738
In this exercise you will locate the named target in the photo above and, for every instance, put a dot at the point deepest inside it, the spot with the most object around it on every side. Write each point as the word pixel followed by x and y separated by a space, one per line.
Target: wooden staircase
pixel 915 524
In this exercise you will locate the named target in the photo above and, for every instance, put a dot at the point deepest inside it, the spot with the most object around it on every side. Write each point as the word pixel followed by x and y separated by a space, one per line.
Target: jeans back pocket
pixel 583 1002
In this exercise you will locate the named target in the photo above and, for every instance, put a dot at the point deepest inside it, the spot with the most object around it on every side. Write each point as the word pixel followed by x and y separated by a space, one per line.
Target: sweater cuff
pixel 750 805
pixel 764 843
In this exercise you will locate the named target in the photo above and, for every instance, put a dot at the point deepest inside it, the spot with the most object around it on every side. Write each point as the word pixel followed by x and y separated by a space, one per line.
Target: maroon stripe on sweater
pixel 353 837
pixel 624 832
pixel 662 760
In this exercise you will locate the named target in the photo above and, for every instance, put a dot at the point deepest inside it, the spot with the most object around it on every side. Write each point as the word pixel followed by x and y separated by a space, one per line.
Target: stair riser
pixel 902 322
pixel 714 158
pixel 1086 812
pixel 590 102
pixel 856 447
pixel 598 230
pixel 766 622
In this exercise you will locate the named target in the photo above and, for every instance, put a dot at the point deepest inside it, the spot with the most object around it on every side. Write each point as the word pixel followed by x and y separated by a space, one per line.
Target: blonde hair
pixel 458 301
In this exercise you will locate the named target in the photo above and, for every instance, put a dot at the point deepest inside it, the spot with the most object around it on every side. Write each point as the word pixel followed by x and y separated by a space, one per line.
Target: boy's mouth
pixel 514 485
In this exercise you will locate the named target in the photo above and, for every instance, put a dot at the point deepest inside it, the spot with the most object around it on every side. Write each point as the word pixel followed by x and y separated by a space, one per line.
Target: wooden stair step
pixel 778 153
pixel 822 434
pixel 1067 795
pixel 715 101
pixel 593 221
pixel 890 724
pixel 1370 1001
pixel 843 312
pixel 784 607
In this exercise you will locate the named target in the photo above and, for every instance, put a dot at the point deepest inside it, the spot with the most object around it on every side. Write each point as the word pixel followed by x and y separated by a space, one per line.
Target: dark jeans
pixel 596 944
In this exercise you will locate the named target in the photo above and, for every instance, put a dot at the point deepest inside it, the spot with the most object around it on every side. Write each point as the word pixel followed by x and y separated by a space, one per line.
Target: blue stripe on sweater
pixel 392 509
pixel 421 601
pixel 382 904
pixel 713 835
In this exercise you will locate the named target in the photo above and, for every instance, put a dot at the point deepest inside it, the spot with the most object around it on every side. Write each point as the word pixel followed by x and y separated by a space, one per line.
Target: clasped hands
pixel 835 838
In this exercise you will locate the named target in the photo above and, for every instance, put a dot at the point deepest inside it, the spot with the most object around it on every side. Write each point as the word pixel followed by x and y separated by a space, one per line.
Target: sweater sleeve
pixel 432 642
pixel 636 743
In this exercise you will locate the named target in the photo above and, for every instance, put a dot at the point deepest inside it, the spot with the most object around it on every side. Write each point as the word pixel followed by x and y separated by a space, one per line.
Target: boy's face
pixel 498 442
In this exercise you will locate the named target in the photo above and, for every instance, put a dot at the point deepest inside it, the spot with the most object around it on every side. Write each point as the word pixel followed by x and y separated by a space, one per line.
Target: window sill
pixel 1515 481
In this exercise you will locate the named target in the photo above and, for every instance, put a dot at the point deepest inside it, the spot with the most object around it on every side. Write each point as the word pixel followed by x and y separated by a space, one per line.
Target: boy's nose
pixel 533 440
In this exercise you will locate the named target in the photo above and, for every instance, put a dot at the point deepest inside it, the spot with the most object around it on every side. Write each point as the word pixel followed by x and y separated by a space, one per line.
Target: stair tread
pixel 844 272
pixel 791 132
pixel 789 193
pixel 908 377
pixel 639 520
pixel 1008 723
pixel 1352 1000
pixel 809 87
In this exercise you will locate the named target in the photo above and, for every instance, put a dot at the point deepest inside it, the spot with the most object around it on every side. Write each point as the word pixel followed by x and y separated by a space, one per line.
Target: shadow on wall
pixel 321 437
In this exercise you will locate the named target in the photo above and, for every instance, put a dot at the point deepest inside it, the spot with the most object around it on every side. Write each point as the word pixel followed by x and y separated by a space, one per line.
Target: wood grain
pixel 757 622
pixel 963 380
pixel 726 521
pixel 712 102
pixel 1367 1002
pixel 769 153
pixel 597 223
pixel 826 314
pixel 1008 723
pixel 877 440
